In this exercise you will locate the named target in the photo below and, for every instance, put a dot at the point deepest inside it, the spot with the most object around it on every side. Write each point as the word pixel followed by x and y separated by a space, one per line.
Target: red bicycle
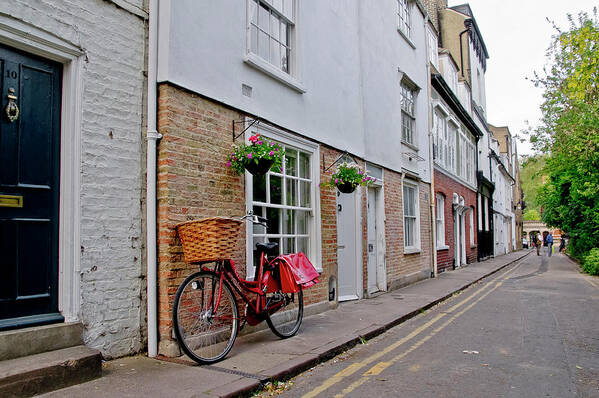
pixel 206 315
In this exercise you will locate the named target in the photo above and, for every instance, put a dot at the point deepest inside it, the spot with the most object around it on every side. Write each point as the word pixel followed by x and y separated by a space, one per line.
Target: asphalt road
pixel 531 330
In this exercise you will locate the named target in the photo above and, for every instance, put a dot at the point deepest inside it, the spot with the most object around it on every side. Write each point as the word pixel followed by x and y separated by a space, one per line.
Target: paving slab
pixel 261 356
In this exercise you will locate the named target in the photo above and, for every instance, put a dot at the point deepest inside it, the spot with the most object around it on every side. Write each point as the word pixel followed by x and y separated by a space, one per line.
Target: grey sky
pixel 517 35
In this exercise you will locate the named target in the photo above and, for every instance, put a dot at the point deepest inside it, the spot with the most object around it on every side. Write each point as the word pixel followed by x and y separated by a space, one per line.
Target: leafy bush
pixel 590 263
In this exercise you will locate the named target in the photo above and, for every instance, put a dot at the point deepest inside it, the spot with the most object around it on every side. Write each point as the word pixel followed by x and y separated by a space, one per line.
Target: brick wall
pixel 447 186
pixel 405 268
pixel 193 182
pixel 112 275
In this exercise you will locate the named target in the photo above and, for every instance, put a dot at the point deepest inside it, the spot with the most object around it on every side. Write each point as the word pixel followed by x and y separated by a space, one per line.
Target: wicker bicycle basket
pixel 208 239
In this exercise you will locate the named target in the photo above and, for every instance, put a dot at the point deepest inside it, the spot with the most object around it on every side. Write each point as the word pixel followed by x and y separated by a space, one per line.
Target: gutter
pixel 152 136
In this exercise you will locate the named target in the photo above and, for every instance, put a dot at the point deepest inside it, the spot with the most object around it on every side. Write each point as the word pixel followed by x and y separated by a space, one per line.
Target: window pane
pixel 254 12
pixel 275 53
pixel 291 192
pixel 288 8
pixel 289 222
pixel 259 188
pixel 305 194
pixel 278 5
pixel 284 58
pixel 254 39
pixel 283 36
pixel 274 26
pixel 302 222
pixel 263 18
pixel 290 162
pixel 263 45
pixel 304 162
pixel 302 245
pixel 409 233
pixel 288 245
pixel 276 192
pixel 274 221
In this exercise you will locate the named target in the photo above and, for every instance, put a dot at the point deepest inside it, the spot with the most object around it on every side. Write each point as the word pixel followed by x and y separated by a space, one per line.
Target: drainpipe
pixel 152 136
pixel 462 50
pixel 430 154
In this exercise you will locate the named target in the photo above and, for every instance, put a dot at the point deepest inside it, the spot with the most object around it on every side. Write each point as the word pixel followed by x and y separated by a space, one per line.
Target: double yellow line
pixel 380 366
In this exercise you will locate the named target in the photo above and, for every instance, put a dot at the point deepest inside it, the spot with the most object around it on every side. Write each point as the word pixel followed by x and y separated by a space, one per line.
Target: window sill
pixel 442 247
pixel 410 42
pixel 411 250
pixel 263 66
pixel 411 146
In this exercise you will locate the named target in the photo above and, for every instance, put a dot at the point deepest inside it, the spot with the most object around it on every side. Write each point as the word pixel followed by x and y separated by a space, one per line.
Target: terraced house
pixel 310 77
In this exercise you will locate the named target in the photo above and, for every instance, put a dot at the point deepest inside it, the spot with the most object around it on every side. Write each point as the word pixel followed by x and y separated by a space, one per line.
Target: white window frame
pixel 440 221
pixel 408 95
pixel 415 247
pixel 452 137
pixel 404 19
pixel 314 227
pixel 433 47
pixel 291 77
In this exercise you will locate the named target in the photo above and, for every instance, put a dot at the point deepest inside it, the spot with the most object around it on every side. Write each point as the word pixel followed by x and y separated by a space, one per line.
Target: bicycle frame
pixel 225 269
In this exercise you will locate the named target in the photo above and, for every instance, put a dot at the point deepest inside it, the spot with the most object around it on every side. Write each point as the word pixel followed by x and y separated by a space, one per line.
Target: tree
pixel 569 133
pixel 531 177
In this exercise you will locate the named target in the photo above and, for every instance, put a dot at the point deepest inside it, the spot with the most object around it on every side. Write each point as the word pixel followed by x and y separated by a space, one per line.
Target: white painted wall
pixel 349 52
pixel 111 275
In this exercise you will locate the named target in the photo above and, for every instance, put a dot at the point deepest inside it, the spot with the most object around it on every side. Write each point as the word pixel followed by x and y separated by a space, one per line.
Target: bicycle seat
pixel 269 248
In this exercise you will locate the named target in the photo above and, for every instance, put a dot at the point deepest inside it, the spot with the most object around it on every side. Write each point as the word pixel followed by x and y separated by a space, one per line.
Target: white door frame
pixel 381 266
pixel 25 37
pixel 358 248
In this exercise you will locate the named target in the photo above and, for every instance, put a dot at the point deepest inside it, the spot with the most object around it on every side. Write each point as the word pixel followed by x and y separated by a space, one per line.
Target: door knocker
pixel 12 110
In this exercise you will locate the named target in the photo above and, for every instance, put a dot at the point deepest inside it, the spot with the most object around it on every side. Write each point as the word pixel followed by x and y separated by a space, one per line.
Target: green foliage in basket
pixel 349 173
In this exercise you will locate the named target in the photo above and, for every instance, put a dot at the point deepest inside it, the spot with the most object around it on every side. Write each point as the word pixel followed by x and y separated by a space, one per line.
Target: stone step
pixel 48 371
pixel 34 340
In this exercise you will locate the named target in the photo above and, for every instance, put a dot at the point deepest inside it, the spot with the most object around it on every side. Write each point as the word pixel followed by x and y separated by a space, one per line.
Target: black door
pixel 29 189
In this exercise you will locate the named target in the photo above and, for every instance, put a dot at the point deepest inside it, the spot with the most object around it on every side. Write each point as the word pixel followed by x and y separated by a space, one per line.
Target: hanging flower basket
pixel 348 177
pixel 346 187
pixel 260 156
pixel 259 167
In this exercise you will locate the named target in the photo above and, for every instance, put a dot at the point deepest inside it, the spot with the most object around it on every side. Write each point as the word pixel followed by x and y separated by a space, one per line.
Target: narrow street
pixel 528 331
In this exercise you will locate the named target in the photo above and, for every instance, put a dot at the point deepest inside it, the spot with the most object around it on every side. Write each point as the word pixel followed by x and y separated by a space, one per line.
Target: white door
pixel 463 238
pixel 347 260
pixel 372 241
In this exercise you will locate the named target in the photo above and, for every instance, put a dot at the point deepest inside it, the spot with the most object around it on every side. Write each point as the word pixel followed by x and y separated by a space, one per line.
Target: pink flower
pixel 360 172
pixel 271 153
pixel 249 155
pixel 259 142
pixel 254 138
pixel 336 180
pixel 229 163
pixel 364 180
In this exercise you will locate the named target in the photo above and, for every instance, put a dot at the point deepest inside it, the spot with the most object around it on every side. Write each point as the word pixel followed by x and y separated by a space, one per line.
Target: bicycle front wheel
pixel 286 321
pixel 205 328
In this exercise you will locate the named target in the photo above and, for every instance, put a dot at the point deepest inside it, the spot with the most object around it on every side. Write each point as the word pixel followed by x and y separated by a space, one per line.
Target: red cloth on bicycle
pixel 296 269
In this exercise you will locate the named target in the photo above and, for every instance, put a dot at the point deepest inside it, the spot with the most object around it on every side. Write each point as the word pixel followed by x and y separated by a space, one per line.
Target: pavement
pixel 261 357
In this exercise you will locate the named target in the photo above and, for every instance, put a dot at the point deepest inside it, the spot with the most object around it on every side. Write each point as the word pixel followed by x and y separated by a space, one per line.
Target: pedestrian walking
pixel 550 243
pixel 538 244
pixel 562 244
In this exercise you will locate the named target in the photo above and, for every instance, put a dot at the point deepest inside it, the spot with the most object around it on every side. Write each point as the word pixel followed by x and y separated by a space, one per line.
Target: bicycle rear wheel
pixel 286 321
pixel 205 333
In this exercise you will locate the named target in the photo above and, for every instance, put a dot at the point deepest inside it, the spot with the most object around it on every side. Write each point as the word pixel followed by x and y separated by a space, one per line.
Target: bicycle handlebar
pixel 255 219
